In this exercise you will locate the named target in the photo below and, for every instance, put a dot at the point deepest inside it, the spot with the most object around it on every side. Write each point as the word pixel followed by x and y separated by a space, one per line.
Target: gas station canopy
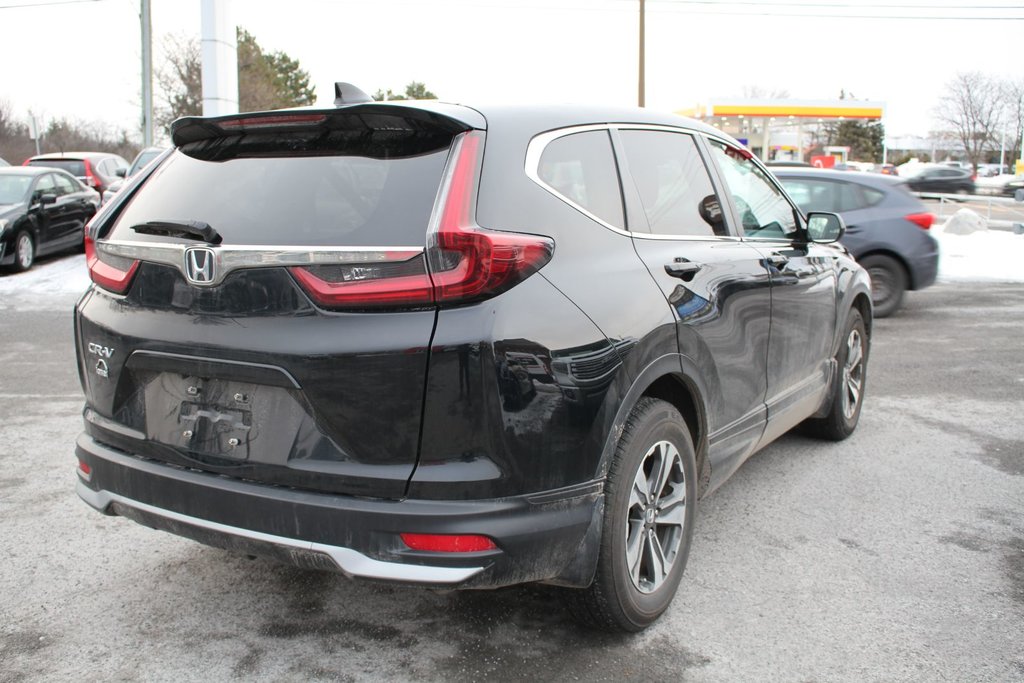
pixel 755 121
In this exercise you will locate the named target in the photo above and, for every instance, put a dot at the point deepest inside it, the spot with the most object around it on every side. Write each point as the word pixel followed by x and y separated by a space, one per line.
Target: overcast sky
pixel 81 59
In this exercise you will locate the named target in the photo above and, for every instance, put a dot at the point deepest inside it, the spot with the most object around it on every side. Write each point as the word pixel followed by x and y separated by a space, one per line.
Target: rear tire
pixel 848 387
pixel 650 504
pixel 24 251
pixel 888 283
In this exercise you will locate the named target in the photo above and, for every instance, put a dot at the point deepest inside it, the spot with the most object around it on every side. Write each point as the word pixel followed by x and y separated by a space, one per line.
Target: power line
pixel 47 4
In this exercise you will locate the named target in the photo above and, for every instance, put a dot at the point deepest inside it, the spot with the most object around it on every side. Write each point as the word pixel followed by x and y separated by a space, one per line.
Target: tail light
pixel 113 273
pixel 464 262
pixel 921 220
pixel 449 543
pixel 90 178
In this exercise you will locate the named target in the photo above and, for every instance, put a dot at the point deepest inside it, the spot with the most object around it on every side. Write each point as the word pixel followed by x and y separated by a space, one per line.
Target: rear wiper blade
pixel 187 229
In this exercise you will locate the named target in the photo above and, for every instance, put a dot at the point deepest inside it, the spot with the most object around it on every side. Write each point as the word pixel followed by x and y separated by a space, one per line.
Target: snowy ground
pixel 984 256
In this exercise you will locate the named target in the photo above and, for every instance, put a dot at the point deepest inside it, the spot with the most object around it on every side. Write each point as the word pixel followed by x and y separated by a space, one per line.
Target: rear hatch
pixel 263 308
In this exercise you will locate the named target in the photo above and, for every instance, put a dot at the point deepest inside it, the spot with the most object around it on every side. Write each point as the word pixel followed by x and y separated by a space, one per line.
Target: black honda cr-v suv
pixel 457 347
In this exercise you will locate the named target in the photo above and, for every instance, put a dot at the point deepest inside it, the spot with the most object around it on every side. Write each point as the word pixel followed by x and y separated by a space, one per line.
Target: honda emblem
pixel 199 265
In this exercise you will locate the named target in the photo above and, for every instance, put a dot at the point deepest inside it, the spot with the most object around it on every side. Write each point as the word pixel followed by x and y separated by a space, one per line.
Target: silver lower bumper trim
pixel 351 562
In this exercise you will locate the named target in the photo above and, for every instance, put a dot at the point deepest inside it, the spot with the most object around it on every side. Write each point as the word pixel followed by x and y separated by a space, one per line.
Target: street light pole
pixel 147 74
pixel 640 93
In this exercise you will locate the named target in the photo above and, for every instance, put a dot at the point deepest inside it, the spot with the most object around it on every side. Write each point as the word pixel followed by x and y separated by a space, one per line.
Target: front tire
pixel 24 251
pixel 848 387
pixel 888 283
pixel 650 504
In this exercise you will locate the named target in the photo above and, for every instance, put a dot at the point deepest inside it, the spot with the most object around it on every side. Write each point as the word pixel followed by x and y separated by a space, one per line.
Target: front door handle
pixel 778 260
pixel 682 268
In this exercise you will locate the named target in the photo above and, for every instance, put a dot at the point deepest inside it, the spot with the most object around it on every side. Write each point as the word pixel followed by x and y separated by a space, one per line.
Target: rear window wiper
pixel 187 229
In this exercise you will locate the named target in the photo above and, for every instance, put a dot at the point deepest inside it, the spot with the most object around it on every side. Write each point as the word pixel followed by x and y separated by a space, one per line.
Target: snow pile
pixel 981 256
pixel 51 283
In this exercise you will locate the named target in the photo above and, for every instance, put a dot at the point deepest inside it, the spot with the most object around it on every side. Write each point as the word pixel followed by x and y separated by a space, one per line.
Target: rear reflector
pixel 448 543
pixel 921 220
pixel 105 272
pixel 84 470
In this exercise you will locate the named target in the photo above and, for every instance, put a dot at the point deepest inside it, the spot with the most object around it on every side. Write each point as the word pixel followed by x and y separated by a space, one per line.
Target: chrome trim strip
pixel 536 149
pixel 351 562
pixel 229 259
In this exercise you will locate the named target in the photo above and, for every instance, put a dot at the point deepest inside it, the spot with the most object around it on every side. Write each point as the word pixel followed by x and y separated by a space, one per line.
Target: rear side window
pixel 72 166
pixel 829 195
pixel 581 168
pixel 346 188
pixel 673 183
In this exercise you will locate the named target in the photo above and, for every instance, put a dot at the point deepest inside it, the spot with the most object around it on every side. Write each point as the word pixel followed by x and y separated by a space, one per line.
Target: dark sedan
pixel 939 179
pixel 42 211
pixel 886 227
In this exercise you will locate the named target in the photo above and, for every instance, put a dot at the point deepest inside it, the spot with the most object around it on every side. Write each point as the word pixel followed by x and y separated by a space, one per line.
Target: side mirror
pixel 47 199
pixel 824 227
pixel 121 172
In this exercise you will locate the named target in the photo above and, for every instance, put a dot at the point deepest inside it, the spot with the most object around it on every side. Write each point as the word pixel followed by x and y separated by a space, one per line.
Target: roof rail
pixel 346 93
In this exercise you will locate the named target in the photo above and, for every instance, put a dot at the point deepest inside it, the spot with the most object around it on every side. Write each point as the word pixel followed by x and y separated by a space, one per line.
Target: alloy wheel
pixel 656 517
pixel 25 251
pixel 853 373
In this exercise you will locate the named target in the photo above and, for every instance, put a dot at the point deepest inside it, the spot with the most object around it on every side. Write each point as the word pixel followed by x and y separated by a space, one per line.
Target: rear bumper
pixel 541 537
pixel 925 268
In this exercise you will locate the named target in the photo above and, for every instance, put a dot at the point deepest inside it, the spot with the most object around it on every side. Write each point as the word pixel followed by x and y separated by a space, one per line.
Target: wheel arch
pixel 675 379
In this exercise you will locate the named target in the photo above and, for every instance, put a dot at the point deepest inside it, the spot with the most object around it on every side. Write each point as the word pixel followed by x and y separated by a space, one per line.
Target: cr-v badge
pixel 199 265
pixel 104 352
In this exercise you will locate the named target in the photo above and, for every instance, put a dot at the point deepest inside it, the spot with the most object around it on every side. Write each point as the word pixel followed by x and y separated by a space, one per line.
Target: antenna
pixel 346 93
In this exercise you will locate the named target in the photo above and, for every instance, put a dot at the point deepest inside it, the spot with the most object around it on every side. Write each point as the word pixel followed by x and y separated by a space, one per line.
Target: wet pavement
pixel 895 555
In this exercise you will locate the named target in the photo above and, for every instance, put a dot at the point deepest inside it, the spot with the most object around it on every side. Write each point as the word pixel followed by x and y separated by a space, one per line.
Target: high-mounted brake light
pixel 112 276
pixel 449 543
pixel 464 262
pixel 921 220
pixel 268 121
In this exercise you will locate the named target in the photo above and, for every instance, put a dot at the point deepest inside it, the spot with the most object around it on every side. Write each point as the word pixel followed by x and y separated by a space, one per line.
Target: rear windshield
pixel 260 189
pixel 73 166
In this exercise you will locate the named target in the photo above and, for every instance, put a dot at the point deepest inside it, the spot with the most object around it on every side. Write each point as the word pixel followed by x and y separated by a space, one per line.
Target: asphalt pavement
pixel 897 555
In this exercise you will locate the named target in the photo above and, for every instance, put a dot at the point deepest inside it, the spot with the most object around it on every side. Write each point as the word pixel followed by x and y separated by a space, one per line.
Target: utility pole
pixel 220 58
pixel 145 17
pixel 640 93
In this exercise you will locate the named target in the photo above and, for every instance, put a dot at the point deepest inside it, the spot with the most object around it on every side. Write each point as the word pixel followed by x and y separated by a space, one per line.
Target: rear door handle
pixel 682 268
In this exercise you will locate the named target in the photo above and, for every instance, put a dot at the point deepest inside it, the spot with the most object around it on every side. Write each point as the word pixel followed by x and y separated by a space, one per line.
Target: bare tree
pixel 973 108
pixel 180 81
pixel 266 80
pixel 1014 97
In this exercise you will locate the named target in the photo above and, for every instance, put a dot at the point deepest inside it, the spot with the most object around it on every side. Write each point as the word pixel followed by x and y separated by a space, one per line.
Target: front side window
pixel 581 168
pixel 763 210
pixel 674 185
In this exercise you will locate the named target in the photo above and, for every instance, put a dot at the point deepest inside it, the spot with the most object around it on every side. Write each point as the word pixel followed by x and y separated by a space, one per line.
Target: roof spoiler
pixel 346 93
